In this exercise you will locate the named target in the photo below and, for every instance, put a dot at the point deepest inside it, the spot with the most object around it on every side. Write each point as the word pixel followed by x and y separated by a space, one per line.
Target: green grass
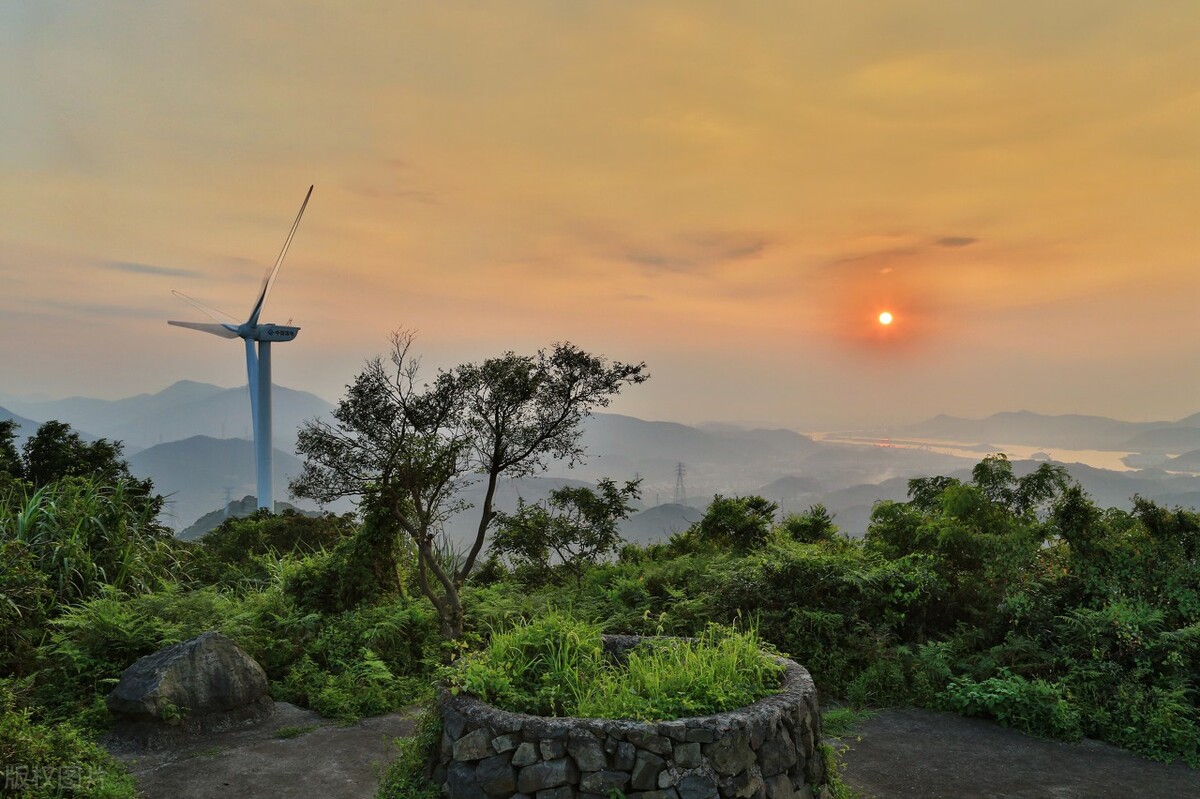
pixel 555 665
pixel 295 731
pixel 834 766
pixel 405 777
pixel 838 722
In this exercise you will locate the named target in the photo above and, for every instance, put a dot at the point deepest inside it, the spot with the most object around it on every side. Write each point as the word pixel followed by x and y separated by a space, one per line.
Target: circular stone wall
pixel 767 750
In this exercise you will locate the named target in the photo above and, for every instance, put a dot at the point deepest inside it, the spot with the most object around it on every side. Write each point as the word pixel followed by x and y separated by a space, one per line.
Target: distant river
pixel 1099 459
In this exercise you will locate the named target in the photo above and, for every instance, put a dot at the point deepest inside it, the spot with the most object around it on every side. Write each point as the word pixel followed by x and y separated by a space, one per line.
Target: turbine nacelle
pixel 268 332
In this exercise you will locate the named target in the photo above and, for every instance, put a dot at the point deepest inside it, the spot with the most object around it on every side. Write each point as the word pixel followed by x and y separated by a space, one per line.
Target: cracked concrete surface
pixel 323 760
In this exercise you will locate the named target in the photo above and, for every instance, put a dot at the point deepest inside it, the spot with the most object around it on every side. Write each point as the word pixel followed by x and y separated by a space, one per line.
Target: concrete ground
pixel 902 753
pixel 326 761
pixel 907 753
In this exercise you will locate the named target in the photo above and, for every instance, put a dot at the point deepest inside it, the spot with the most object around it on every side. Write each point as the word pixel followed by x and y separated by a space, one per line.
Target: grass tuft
pixel 555 665
pixel 294 731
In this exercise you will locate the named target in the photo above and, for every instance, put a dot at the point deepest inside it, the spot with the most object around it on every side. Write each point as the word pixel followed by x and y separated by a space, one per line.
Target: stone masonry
pixel 767 750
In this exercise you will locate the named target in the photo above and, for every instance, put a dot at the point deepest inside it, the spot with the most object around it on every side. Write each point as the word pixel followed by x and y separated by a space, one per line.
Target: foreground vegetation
pixel 555 665
pixel 1008 597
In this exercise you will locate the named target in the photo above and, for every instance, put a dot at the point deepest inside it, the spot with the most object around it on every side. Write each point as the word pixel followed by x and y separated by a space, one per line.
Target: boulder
pixel 200 685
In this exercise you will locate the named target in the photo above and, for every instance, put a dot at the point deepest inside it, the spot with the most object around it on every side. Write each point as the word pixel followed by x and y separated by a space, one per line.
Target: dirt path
pixel 321 760
pixel 906 753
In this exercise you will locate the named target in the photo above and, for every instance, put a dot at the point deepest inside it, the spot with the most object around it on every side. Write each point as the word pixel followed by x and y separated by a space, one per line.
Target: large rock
pixel 201 685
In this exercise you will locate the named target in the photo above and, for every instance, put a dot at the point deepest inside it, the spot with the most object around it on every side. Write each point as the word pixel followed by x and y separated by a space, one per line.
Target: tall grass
pixel 84 534
pixel 721 669
pixel 555 665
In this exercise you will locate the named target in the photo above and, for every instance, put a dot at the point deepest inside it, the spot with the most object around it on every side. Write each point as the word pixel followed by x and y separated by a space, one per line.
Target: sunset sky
pixel 732 192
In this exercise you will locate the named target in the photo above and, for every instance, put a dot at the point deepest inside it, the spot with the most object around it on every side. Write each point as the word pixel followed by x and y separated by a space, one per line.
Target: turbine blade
pixel 223 331
pixel 210 312
pixel 269 279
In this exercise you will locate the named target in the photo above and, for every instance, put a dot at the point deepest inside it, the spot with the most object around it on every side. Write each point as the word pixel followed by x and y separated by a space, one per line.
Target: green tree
pixel 984 533
pixel 815 524
pixel 738 523
pixel 55 452
pixel 414 447
pixel 577 525
pixel 10 459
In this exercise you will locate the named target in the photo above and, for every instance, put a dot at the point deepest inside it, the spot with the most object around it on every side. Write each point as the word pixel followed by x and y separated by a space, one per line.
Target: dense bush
pixel 739 523
pixel 53 761
pixel 364 565
pixel 1008 597
pixel 345 665
pixel 231 553
pixel 1033 706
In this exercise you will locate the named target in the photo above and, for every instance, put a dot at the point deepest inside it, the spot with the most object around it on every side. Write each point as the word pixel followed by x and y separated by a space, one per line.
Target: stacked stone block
pixel 767 750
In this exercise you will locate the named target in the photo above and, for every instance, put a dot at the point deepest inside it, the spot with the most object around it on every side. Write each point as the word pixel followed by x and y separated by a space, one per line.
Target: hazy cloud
pixel 149 269
pixel 726 246
pixel 884 255
pixel 699 251
pixel 956 241
pixel 660 261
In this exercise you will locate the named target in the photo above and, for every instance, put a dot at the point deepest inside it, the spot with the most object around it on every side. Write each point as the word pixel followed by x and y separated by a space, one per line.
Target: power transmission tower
pixel 680 493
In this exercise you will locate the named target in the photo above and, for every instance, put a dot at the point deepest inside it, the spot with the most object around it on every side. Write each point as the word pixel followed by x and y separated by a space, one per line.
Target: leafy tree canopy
pixel 739 523
pixel 56 452
pixel 414 447
pixel 576 526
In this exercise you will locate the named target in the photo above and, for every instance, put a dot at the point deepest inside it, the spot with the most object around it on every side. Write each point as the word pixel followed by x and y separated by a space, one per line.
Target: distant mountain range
pixel 181 410
pixel 1187 462
pixel 25 427
pixel 204 452
pixel 1067 432
pixel 199 474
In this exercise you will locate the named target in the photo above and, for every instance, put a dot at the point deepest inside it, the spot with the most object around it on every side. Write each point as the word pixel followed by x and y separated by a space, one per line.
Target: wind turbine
pixel 258 365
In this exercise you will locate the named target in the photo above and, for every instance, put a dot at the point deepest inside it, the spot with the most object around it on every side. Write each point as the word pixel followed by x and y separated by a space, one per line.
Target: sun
pixel 885 318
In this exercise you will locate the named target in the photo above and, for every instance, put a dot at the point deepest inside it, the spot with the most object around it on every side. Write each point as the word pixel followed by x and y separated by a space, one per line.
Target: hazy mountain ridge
pixel 25 427
pixel 1069 431
pixel 1166 440
pixel 193 474
pixel 90 413
pixel 1186 462
pixel 179 411
pixel 195 464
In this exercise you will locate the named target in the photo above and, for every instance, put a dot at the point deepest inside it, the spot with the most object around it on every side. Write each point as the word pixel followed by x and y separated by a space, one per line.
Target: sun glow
pixel 885 318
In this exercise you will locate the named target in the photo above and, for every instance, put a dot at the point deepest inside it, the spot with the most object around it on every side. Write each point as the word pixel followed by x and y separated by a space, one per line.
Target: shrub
pixel 739 523
pixel 1032 706
pixel 363 686
pixel 815 524
pixel 24 603
pixel 93 643
pixel 362 567
pixel 53 760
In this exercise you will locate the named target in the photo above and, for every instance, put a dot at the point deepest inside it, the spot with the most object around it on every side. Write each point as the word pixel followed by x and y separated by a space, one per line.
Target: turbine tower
pixel 258 365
